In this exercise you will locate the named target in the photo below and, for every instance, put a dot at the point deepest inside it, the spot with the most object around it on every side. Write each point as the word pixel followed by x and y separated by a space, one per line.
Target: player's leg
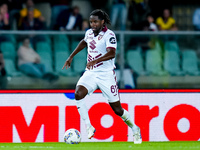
pixel 85 86
pixel 124 114
pixel 109 88
pixel 80 93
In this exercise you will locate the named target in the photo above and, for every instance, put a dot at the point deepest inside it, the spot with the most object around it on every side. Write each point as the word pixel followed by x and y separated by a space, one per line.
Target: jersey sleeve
pixel 111 41
pixel 86 34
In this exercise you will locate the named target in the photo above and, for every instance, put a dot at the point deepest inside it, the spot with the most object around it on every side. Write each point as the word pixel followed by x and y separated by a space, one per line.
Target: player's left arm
pixel 109 55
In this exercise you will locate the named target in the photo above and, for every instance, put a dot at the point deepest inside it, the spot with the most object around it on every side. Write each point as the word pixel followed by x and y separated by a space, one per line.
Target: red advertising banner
pixel 44 116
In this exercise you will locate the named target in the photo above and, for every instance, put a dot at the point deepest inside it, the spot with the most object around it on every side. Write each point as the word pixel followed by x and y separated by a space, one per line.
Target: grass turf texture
pixel 191 145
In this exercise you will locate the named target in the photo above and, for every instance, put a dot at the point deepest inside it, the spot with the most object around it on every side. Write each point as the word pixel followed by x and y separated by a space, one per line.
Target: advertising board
pixel 44 116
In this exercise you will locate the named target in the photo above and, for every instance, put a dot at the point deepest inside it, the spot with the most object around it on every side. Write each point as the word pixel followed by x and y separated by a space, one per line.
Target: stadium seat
pixel 60 58
pixel 80 60
pixel 11 68
pixel 135 61
pixel 47 39
pixel 61 38
pixel 61 47
pixel 172 63
pixel 158 47
pixel 118 48
pixel 43 47
pixel 8 50
pixel 171 46
pixel 46 59
pixel 154 63
pixel 190 62
pixel 8 38
pixel 74 45
pixel 12 39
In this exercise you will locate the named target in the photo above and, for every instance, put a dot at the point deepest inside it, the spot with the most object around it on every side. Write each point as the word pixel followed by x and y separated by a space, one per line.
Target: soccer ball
pixel 72 136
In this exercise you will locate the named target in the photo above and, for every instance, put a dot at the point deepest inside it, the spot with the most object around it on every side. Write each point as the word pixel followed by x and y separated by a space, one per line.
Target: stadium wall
pixel 44 115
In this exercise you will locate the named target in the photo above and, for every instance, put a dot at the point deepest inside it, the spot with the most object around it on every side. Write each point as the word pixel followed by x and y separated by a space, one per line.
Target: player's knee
pixel 118 111
pixel 78 95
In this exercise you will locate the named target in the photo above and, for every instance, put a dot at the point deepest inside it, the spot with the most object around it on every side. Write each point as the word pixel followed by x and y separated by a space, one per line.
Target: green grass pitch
pixel 191 145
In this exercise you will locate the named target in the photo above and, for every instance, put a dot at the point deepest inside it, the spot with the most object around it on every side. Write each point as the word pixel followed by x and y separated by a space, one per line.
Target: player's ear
pixel 102 21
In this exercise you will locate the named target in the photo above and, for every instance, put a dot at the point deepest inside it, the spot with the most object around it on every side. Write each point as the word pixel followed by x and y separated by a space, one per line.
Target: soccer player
pixel 101 44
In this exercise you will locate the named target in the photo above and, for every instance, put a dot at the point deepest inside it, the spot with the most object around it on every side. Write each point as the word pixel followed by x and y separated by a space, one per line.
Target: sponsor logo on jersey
pixel 93 51
pixel 89 37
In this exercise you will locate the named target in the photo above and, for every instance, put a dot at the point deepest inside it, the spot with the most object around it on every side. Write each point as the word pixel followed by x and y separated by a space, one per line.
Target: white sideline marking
pixel 33 147
pixel 51 147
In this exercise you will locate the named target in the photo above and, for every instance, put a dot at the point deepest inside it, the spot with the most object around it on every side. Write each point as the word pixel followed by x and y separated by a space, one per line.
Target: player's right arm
pixel 82 44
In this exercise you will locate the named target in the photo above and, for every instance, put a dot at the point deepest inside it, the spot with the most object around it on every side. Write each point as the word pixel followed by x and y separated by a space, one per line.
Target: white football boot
pixel 137 138
pixel 91 130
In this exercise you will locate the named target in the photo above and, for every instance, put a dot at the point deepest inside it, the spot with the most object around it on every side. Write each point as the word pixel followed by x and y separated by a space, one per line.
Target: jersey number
pixel 114 89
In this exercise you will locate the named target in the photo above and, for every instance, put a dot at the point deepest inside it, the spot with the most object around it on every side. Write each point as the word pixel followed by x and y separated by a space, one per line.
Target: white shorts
pixel 105 81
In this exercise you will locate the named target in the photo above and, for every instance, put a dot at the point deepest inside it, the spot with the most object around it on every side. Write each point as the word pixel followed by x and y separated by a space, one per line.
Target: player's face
pixel 96 24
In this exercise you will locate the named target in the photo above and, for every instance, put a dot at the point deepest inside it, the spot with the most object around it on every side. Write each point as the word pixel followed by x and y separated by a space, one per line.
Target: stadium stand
pixel 45 51
pixel 60 58
pixel 171 46
pixel 11 69
pixel 190 62
pixel 135 60
pixel 47 60
pixel 8 50
pixel 43 47
pixel 172 63
pixel 61 47
pixel 61 38
pixel 154 63
pixel 79 62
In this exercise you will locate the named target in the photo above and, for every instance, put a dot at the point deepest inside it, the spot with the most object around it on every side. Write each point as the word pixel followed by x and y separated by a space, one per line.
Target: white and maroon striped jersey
pixel 97 45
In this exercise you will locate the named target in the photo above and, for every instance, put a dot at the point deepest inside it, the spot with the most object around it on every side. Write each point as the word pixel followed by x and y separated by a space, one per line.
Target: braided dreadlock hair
pixel 102 15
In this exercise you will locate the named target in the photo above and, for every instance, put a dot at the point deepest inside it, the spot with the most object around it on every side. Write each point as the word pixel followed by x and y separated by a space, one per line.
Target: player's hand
pixel 90 65
pixel 37 61
pixel 67 63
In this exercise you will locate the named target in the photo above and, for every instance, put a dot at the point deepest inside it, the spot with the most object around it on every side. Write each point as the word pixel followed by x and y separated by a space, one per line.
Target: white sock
pixel 83 111
pixel 129 121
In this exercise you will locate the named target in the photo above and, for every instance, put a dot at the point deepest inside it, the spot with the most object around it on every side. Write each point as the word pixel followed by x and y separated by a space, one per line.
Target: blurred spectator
pixel 4 21
pixel 85 25
pixel 69 20
pixel 36 13
pixel 147 25
pixel 152 25
pixel 30 22
pixel 166 21
pixel 4 17
pixel 3 79
pixel 119 12
pixel 101 4
pixel 129 76
pixel 29 62
pixel 138 10
pixel 14 7
pixel 57 6
pixel 196 19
